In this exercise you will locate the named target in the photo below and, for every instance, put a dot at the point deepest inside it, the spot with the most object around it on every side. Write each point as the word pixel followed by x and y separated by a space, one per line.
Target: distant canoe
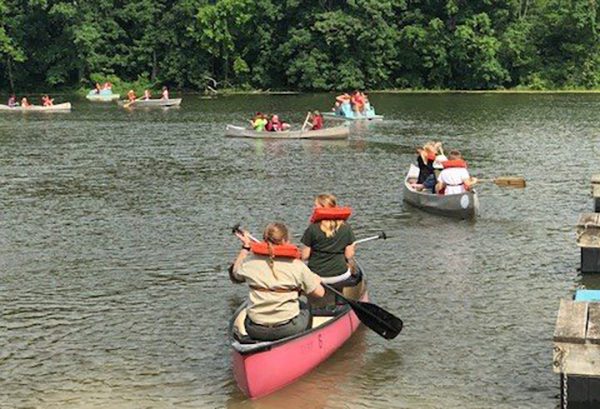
pixel 332 115
pixel 102 98
pixel 461 205
pixel 337 132
pixel 152 103
pixel 65 107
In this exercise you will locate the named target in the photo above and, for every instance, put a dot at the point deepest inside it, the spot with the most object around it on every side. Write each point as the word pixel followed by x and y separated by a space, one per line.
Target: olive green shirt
pixel 269 307
pixel 327 253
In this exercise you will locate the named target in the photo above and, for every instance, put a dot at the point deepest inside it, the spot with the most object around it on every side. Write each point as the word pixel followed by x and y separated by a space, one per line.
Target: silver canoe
pixel 332 115
pixel 463 205
pixel 151 103
pixel 336 132
pixel 65 107
pixel 102 98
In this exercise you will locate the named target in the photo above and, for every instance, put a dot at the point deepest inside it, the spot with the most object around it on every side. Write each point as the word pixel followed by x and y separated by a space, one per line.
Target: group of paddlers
pixel 12 101
pixel 272 123
pixel 440 174
pixel 275 271
pixel 358 103
pixel 147 95
pixel 103 89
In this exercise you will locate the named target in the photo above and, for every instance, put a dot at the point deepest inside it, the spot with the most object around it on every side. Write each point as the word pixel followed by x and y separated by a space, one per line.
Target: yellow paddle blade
pixel 512 181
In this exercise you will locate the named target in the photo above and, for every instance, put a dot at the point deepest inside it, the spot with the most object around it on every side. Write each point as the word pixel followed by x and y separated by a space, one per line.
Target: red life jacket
pixel 330 213
pixel 279 250
pixel 456 163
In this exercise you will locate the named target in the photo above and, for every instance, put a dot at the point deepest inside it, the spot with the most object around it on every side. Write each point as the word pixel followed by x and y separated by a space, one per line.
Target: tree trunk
pixel 154 67
pixel 11 80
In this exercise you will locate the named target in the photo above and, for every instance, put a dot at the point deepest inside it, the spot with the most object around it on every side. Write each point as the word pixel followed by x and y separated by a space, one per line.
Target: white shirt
pixel 454 179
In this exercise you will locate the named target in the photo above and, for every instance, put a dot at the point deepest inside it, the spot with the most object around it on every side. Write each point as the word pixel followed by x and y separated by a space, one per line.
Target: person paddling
pixel 275 277
pixel 316 121
pixel 329 240
pixel 165 93
pixel 47 101
pixel 131 96
pixel 455 178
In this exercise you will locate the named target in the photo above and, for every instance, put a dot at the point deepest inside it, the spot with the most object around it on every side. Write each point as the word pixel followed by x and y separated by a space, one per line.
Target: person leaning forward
pixel 275 277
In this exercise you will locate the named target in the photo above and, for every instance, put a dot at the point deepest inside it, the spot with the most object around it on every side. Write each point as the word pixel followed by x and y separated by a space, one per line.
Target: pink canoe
pixel 261 368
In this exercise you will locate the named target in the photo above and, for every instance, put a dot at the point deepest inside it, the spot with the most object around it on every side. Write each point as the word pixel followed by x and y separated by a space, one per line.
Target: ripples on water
pixel 115 240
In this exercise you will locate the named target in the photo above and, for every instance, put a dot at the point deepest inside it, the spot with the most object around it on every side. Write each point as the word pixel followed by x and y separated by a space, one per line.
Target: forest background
pixel 304 45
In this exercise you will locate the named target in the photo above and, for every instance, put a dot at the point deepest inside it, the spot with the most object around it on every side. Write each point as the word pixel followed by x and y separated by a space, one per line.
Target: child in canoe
pixel 275 276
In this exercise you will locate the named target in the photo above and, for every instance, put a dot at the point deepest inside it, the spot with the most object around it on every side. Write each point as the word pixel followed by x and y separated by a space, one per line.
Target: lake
pixel 115 238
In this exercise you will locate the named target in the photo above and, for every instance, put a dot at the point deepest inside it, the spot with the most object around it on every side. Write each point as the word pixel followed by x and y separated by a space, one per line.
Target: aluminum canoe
pixel 336 132
pixel 152 103
pixel 463 205
pixel 64 107
pixel 263 367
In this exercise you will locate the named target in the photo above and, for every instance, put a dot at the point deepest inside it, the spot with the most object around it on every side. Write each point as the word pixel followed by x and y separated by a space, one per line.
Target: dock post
pixel 577 350
pixel 588 238
pixel 596 192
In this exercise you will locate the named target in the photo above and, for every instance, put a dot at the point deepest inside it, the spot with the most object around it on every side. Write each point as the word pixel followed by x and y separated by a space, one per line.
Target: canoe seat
pixel 317 321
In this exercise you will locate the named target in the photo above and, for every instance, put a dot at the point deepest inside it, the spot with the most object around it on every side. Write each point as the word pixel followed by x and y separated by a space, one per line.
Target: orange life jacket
pixel 279 250
pixel 456 163
pixel 330 213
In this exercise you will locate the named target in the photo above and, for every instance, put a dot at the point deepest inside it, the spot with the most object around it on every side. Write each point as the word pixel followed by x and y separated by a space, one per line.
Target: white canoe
pixel 333 115
pixel 337 132
pixel 151 103
pixel 102 98
pixel 65 107
pixel 462 205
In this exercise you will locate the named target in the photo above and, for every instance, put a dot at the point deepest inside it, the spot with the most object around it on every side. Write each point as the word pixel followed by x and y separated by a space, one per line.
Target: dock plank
pixel 593 330
pixel 577 359
pixel 571 322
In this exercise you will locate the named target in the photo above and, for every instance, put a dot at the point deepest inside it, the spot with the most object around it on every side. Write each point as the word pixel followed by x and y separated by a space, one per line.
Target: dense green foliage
pixel 301 44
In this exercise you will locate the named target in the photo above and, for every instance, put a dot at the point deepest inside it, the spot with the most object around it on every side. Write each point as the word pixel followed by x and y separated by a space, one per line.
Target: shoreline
pixel 230 92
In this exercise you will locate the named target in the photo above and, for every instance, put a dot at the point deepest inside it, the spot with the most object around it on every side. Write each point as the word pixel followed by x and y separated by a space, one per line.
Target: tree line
pixel 301 44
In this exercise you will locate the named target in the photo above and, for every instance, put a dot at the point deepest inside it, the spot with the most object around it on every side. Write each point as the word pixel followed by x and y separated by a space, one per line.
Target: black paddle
pixel 373 316
pixel 379 320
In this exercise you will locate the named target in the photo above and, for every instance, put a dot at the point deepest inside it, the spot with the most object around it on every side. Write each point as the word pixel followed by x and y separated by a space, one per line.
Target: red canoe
pixel 261 368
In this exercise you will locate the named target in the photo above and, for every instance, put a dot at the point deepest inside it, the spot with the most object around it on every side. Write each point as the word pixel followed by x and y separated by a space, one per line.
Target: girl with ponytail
pixel 276 276
pixel 329 240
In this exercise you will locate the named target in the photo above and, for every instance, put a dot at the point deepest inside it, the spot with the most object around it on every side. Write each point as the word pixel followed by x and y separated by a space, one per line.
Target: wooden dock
pixel 596 192
pixel 577 351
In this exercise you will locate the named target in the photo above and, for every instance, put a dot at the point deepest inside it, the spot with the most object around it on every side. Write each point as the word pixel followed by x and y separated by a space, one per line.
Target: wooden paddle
pixel 508 181
pixel 128 104
pixel 374 317
pixel 305 122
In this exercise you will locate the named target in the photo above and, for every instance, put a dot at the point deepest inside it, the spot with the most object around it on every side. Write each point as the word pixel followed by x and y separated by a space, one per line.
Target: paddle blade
pixel 379 320
pixel 510 181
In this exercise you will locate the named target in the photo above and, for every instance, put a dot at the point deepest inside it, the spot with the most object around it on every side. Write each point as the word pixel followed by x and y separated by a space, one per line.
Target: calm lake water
pixel 115 239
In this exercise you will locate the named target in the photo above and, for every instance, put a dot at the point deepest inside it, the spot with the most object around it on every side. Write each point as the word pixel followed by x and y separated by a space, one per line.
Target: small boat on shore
pixel 262 367
pixel 339 117
pixel 151 103
pixel 336 132
pixel 463 205
pixel 64 107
